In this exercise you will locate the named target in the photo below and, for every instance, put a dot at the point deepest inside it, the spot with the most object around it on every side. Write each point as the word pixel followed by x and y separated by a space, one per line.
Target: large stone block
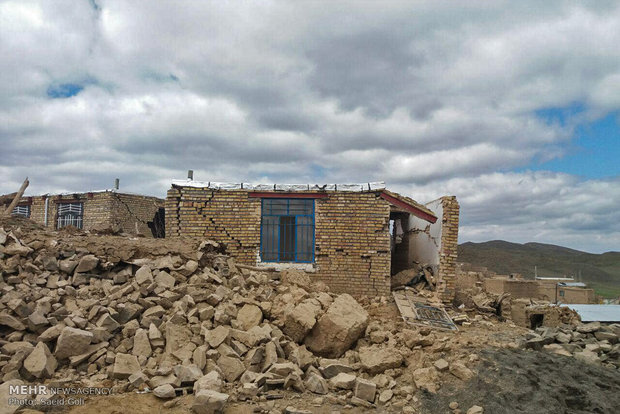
pixel 339 328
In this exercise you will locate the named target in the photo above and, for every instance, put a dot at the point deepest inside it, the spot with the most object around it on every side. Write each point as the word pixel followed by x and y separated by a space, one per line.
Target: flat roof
pixel 395 199
pixel 594 313
pixel 572 284
pixel 374 186
pixel 553 278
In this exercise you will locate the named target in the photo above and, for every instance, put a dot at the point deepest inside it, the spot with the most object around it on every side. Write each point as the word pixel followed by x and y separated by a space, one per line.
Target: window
pixel 70 214
pixel 21 211
pixel 287 230
pixel 561 293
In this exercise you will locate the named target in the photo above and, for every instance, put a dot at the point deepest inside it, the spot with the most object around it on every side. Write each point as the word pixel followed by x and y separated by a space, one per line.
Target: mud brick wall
pixel 100 210
pixel 352 241
pixel 521 288
pixel 449 244
pixel 546 290
pixel 495 286
pixel 573 294
pixel 133 212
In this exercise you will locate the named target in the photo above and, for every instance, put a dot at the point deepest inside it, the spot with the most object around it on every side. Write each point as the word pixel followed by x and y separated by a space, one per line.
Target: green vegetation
pixel 599 271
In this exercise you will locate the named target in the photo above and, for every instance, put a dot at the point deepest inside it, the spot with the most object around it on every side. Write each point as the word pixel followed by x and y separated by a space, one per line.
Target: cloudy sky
pixel 511 106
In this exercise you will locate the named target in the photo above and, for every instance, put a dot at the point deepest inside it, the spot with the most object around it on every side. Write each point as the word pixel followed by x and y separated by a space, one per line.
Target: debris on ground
pixel 419 278
pixel 417 311
pixel 593 342
pixel 177 325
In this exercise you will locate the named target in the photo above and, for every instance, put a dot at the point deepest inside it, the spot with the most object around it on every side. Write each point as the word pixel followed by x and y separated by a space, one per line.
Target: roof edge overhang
pixel 417 211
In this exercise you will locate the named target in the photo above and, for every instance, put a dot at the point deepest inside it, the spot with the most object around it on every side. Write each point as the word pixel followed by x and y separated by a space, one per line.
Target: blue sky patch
pixel 64 90
pixel 595 148
pixel 561 116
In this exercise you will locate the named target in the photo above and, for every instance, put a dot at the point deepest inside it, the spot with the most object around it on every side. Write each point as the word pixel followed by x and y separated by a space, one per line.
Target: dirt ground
pixel 520 381
pixel 508 381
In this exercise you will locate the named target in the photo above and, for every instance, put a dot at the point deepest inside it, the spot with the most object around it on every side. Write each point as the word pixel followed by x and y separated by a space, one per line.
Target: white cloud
pixel 433 97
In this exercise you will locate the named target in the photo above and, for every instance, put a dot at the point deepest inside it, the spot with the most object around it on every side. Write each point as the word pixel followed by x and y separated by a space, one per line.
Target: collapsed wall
pixel 437 244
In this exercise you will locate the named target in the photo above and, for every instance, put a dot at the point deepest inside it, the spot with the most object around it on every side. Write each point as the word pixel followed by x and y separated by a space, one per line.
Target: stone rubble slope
pixel 592 342
pixel 179 316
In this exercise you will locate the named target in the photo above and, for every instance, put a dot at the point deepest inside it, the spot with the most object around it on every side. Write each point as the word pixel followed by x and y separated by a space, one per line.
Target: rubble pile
pixel 479 300
pixel 592 342
pixel 184 318
pixel 420 277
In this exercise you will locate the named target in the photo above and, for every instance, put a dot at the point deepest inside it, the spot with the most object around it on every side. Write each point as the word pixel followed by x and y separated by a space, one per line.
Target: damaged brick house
pixel 343 235
pixel 104 209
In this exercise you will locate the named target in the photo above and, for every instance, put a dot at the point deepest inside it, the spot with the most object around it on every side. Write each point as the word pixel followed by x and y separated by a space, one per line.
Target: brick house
pixel 352 237
pixel 96 209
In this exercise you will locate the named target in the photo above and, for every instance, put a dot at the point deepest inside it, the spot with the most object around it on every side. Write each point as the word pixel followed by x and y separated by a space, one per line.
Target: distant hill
pixel 600 271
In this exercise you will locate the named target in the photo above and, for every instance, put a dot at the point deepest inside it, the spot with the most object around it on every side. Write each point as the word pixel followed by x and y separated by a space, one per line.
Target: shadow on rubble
pixel 520 381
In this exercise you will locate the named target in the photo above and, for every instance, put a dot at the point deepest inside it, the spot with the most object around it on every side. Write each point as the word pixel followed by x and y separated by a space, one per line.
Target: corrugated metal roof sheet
pixel 600 313
pixel 572 284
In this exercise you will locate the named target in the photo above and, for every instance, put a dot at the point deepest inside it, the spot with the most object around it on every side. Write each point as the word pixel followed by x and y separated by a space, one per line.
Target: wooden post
pixel 18 197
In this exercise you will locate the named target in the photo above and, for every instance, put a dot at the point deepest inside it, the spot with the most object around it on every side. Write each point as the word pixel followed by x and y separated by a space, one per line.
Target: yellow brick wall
pixel 101 209
pixel 352 242
pixel 449 244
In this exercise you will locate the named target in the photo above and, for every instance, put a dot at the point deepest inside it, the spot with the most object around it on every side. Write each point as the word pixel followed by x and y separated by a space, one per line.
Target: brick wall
pixel 352 241
pixel 100 209
pixel 226 216
pixel 449 244
pixel 132 211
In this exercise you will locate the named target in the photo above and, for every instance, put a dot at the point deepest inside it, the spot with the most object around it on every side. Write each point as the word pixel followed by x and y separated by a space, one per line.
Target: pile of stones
pixel 592 342
pixel 177 318
pixel 176 322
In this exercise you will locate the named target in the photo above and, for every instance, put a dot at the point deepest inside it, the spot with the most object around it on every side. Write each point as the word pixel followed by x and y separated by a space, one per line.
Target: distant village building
pixel 559 290
pixel 107 209
pixel 350 236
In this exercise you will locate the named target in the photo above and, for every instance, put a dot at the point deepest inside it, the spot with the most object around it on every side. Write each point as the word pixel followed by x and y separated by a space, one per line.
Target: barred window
pixel 21 211
pixel 287 230
pixel 70 214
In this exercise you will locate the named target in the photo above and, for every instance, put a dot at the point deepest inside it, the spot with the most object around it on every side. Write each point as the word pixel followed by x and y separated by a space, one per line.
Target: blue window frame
pixel 287 230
